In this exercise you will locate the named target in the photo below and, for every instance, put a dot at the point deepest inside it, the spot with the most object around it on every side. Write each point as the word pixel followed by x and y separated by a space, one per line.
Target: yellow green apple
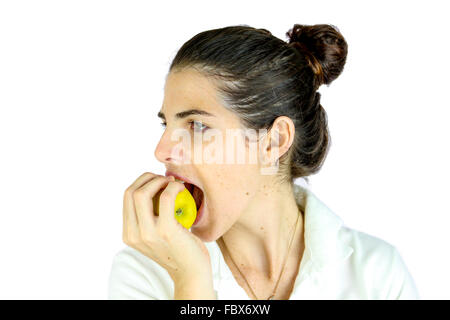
pixel 185 207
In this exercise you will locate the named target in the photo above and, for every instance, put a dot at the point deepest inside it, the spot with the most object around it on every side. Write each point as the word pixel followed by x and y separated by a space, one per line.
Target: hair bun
pixel 324 47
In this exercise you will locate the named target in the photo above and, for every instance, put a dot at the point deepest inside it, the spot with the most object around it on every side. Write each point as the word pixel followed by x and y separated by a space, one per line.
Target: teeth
pixel 179 180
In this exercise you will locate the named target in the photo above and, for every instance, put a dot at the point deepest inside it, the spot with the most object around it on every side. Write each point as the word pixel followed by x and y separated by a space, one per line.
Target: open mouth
pixel 196 192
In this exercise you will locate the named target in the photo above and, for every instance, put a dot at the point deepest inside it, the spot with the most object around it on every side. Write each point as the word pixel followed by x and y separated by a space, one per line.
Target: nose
pixel 169 151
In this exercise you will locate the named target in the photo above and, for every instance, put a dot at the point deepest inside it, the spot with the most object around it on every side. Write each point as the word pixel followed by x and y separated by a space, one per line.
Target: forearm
pixel 194 289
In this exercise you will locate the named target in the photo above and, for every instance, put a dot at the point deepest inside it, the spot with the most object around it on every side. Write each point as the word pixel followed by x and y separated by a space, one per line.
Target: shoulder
pixel 378 266
pixel 365 246
pixel 135 276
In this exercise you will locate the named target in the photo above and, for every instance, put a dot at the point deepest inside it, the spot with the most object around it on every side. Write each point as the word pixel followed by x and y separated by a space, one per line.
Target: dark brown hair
pixel 260 77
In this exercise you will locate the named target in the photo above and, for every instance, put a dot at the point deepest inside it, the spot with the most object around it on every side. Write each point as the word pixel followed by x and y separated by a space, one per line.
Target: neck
pixel 259 241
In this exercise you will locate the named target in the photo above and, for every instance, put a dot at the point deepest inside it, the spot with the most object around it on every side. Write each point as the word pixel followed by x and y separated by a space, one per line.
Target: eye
pixel 200 128
pixel 196 128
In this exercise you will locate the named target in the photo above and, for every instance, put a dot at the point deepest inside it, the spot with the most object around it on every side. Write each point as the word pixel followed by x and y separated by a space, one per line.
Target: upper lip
pixel 170 173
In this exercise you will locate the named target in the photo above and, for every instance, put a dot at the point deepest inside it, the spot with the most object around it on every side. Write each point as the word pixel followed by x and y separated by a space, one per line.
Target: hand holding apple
pixel 162 238
pixel 185 207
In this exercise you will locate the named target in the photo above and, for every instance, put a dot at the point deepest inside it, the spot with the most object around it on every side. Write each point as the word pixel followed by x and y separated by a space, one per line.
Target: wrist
pixel 188 277
pixel 199 287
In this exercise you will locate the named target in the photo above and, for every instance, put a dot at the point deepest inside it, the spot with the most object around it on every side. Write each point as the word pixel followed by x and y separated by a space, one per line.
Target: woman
pixel 258 235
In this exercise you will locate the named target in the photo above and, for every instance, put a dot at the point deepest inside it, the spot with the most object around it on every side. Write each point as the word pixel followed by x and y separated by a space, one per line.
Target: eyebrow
pixel 187 113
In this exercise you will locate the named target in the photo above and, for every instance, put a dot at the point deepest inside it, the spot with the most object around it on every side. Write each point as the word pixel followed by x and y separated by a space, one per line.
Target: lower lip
pixel 200 212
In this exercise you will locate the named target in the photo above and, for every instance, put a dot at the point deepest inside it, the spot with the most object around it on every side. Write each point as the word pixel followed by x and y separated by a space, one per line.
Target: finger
pixel 130 226
pixel 142 179
pixel 143 203
pixel 167 204
pixel 130 222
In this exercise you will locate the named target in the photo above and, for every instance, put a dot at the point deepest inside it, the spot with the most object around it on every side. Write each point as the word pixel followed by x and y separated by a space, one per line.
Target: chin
pixel 206 235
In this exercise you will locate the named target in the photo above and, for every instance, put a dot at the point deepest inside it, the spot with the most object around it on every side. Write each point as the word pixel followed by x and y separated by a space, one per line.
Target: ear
pixel 278 140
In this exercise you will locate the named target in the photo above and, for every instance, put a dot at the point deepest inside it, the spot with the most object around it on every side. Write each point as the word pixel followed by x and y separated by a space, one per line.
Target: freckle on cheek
pixel 246 193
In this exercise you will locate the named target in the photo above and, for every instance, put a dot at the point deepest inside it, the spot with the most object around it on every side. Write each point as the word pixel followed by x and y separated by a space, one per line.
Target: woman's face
pixel 228 185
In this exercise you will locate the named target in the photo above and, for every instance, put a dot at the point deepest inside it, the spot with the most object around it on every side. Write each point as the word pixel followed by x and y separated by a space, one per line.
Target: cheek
pixel 230 149
pixel 227 180
pixel 230 184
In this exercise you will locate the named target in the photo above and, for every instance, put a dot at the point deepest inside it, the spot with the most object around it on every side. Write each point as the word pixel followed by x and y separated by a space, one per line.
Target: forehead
pixel 190 89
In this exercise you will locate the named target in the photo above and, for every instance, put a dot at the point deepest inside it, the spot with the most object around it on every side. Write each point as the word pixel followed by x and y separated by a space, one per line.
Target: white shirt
pixel 338 263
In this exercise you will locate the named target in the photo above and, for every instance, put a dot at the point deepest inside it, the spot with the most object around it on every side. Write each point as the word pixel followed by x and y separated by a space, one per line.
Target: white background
pixel 81 83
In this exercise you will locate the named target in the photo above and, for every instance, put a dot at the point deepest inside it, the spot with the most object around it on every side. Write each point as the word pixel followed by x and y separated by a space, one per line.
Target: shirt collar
pixel 323 245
